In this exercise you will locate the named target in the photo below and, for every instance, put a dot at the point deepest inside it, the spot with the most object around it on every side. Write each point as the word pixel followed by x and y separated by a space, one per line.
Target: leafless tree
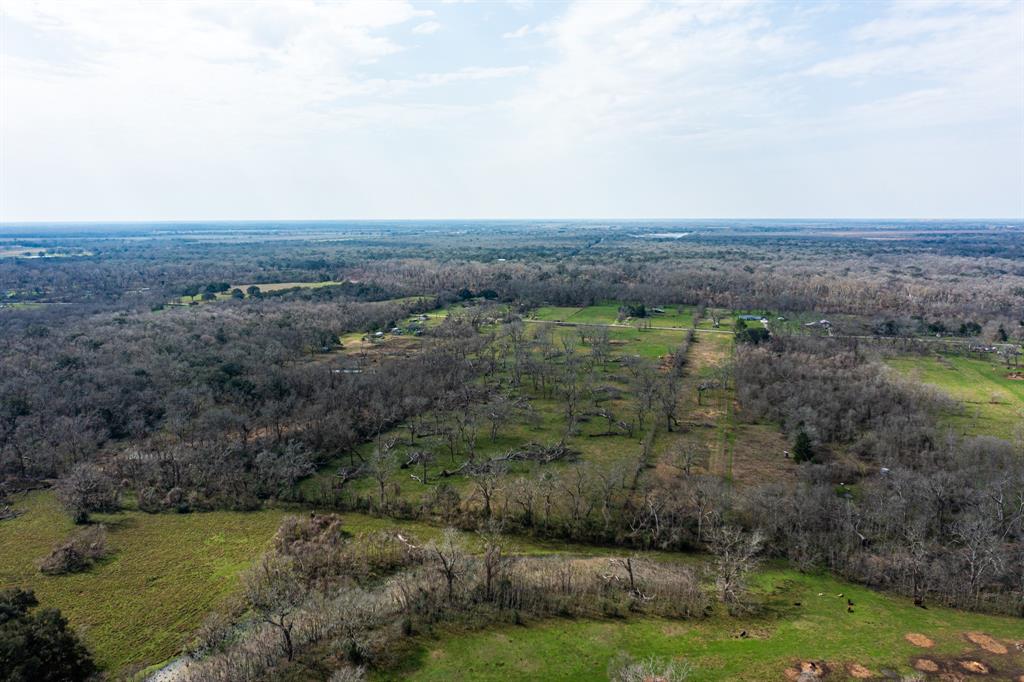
pixel 273 590
pixel 451 559
pixel 87 489
pixel 382 466
pixel 736 555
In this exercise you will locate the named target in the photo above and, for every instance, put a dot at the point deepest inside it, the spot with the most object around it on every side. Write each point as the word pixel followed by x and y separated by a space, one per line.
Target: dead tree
pixel 451 559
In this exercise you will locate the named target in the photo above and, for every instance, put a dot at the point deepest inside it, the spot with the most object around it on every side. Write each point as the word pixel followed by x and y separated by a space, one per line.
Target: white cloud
pixel 629 69
pixel 518 33
pixel 948 62
pixel 426 28
pixel 230 104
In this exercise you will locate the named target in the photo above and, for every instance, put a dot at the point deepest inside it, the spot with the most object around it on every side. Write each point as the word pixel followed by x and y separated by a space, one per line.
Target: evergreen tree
pixel 802 449
pixel 38 646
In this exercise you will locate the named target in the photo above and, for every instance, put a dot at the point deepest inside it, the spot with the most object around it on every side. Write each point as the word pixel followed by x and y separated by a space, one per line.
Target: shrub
pixel 77 554
pixel 624 668
pixel 149 500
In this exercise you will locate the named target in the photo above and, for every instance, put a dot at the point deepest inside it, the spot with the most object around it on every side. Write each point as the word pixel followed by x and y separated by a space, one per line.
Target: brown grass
pixel 918 639
pixel 987 642
pixel 859 672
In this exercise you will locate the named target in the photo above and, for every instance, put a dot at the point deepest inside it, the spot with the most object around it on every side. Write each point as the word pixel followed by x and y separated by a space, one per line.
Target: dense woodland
pixel 120 387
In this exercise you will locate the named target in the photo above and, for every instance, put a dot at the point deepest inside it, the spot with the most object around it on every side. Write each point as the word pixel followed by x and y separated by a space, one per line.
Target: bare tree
pixel 382 467
pixel 685 456
pixel 487 481
pixel 451 558
pixel 736 555
pixel 87 489
pixel 273 591
pixel 423 459
pixel 495 558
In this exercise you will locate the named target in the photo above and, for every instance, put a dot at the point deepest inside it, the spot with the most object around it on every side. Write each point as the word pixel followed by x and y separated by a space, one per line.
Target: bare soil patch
pixel 976 667
pixel 987 642
pixel 926 665
pixel 918 639
pixel 856 670
pixel 816 669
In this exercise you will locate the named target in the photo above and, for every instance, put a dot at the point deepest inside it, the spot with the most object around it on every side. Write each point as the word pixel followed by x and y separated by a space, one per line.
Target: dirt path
pixel 708 419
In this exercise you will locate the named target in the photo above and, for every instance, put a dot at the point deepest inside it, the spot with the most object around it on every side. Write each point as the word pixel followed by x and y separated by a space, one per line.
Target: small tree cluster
pixel 88 489
pixel 85 547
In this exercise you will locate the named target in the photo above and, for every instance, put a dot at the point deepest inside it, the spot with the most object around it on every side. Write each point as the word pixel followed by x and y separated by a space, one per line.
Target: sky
pixel 250 109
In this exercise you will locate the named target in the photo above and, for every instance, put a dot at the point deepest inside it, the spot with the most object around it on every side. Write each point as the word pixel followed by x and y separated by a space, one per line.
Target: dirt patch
pixel 976 667
pixel 1015 376
pixel 813 669
pixel 918 639
pixel 987 642
pixel 856 670
pixel 791 673
pixel 926 665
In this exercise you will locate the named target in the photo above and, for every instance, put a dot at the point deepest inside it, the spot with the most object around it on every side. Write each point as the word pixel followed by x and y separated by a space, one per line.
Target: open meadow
pixel 804 620
pixel 140 605
pixel 991 393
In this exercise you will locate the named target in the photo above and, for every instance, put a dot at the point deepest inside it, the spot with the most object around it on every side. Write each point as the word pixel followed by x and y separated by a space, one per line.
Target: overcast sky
pixel 301 109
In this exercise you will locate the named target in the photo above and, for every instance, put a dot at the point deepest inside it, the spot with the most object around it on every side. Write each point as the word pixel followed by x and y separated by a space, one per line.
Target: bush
pixel 77 554
pixel 624 668
pixel 149 500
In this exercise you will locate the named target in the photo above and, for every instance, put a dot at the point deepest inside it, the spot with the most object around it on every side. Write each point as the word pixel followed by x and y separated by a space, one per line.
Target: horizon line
pixel 140 221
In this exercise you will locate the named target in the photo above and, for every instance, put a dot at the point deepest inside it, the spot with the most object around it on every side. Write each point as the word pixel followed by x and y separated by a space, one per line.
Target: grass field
pixel 166 572
pixel 746 453
pixel 994 403
pixel 820 629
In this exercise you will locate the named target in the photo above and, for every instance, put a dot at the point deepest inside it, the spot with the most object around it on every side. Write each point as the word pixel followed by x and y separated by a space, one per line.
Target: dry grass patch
pixel 918 639
pixel 857 671
pixel 987 642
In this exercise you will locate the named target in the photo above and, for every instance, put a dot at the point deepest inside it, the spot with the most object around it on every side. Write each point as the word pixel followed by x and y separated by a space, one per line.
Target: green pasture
pixel 779 635
pixel 165 573
pixel 993 402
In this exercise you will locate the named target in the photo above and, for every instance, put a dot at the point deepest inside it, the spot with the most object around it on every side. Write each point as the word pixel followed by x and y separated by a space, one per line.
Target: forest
pixel 439 432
